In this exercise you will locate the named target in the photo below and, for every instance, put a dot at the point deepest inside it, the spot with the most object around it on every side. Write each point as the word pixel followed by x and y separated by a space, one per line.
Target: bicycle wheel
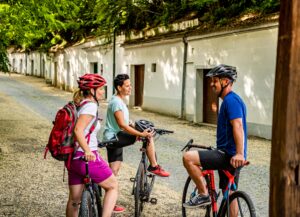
pixel 245 207
pixel 86 208
pixel 149 181
pixel 189 191
pixel 97 193
pixel 139 190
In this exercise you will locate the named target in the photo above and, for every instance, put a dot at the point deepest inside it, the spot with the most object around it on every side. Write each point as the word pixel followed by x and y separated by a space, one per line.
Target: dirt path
pixel 32 186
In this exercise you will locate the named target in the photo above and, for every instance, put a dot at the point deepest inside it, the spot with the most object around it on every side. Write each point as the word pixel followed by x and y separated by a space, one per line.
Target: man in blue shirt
pixel 231 149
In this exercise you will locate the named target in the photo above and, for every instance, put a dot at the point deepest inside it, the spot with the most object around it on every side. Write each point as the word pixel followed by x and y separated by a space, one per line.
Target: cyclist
pixel 117 123
pixel 231 149
pixel 91 88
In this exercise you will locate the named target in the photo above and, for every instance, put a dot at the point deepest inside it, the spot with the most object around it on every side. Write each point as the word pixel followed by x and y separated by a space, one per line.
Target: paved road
pixel 44 100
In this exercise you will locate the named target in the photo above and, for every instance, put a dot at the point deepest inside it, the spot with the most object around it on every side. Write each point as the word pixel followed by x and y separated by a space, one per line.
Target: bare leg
pixel 191 162
pixel 150 151
pixel 110 185
pixel 115 167
pixel 234 208
pixel 75 192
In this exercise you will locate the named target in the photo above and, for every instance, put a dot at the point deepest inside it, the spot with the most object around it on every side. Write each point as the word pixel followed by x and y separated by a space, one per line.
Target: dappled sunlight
pixel 252 98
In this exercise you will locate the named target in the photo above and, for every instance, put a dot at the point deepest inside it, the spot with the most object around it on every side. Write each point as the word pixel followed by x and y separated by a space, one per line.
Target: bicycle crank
pixel 153 200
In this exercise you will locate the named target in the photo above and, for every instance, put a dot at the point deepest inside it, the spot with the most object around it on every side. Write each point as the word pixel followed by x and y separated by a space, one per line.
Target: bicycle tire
pixel 97 193
pixel 189 187
pixel 138 192
pixel 243 200
pixel 86 204
pixel 149 181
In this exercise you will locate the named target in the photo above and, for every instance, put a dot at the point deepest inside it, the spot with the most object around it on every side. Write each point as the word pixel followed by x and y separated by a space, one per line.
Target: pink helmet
pixel 90 81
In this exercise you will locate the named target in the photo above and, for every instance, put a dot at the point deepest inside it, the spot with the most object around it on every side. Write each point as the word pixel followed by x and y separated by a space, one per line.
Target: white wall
pixel 162 89
pixel 254 55
pixel 252 51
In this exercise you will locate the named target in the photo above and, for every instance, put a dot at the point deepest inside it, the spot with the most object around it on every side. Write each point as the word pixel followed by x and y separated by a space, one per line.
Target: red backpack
pixel 61 143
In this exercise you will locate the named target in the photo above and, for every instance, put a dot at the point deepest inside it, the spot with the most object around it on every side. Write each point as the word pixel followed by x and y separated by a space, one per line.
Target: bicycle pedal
pixel 132 179
pixel 153 200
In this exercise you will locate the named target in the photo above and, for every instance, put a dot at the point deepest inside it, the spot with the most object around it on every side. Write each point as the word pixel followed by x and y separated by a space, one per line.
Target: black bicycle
pixel 91 202
pixel 245 205
pixel 144 181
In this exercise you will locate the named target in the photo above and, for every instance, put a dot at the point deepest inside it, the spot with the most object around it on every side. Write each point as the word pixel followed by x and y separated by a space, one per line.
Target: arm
pixel 127 128
pixel 81 124
pixel 238 135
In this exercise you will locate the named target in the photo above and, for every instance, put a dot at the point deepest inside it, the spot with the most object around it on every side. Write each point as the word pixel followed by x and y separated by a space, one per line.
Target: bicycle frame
pixel 212 190
pixel 89 186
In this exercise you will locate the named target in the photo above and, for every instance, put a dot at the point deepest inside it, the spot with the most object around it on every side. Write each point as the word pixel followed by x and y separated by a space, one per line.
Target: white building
pixel 167 73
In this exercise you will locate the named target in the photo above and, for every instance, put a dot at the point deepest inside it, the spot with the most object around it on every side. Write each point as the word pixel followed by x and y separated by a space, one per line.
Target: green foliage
pixel 40 24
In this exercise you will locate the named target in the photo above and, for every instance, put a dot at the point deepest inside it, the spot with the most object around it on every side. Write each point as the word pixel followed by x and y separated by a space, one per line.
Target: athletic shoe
pixel 158 171
pixel 197 201
pixel 118 209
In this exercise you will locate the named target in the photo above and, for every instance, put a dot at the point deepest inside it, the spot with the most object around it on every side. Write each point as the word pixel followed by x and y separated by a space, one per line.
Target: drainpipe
pixel 26 55
pixel 114 60
pixel 185 43
pixel 40 65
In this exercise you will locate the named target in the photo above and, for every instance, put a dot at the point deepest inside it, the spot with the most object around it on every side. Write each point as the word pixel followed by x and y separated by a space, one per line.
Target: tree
pixel 285 155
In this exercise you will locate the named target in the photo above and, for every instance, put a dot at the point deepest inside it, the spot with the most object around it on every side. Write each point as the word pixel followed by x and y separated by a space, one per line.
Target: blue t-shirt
pixel 232 107
pixel 111 125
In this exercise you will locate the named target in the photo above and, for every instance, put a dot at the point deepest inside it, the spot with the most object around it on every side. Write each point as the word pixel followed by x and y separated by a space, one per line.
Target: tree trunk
pixel 285 156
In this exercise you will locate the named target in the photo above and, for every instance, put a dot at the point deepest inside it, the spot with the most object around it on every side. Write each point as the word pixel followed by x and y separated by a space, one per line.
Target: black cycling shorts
pixel 115 151
pixel 219 160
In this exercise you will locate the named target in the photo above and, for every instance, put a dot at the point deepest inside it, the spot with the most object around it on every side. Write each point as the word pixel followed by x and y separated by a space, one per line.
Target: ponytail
pixel 80 95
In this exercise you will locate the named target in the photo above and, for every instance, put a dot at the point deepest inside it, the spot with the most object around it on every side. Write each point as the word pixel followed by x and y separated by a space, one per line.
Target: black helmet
pixel 223 71
pixel 142 125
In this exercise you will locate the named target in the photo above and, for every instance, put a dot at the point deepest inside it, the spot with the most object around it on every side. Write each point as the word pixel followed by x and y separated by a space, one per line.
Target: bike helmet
pixel 142 125
pixel 223 70
pixel 90 81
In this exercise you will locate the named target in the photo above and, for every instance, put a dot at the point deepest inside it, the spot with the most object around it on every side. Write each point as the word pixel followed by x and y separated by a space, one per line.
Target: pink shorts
pixel 98 170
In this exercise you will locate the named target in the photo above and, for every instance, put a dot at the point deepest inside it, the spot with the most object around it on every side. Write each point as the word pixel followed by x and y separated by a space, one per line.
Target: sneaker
pixel 197 201
pixel 118 209
pixel 158 171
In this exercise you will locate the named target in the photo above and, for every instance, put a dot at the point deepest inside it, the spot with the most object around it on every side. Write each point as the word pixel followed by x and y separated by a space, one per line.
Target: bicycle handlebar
pixel 190 145
pixel 108 142
pixel 163 131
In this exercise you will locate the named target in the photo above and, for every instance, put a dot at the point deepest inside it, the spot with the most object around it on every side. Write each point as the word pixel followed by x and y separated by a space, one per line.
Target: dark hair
pixel 119 80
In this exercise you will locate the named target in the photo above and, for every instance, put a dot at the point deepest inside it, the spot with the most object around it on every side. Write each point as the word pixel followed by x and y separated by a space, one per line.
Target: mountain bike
pixel 91 199
pixel 144 181
pixel 245 204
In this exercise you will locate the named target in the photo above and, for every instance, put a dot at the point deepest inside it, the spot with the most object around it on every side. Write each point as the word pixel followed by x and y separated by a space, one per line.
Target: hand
pixel 237 160
pixel 89 156
pixel 148 133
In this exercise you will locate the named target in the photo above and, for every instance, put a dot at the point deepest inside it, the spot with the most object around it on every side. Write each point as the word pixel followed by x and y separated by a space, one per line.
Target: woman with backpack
pixel 91 89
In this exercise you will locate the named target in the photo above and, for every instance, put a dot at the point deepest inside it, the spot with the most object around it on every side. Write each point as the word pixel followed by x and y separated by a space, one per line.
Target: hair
pixel 80 95
pixel 119 80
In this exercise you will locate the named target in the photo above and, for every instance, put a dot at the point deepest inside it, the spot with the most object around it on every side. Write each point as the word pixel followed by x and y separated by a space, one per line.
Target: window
pixel 153 67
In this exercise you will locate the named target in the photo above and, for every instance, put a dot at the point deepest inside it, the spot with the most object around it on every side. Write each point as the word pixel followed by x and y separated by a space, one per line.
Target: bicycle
pixel 245 204
pixel 91 202
pixel 144 181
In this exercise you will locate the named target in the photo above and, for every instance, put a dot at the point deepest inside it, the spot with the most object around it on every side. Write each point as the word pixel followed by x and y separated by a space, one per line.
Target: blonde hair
pixel 78 96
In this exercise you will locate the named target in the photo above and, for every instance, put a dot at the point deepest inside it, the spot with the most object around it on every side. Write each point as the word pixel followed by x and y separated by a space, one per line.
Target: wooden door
pixel 210 101
pixel 139 71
